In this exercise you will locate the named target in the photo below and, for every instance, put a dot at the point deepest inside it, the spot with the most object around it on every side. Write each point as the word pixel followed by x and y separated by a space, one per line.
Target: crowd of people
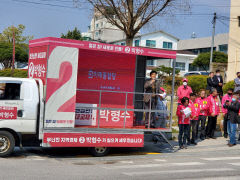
pixel 196 110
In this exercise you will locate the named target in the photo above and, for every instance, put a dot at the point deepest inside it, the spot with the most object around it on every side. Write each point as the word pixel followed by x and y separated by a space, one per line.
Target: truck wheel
pixel 99 151
pixel 7 143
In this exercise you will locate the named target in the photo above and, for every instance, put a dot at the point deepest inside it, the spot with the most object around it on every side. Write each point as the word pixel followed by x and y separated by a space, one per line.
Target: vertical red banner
pixel 37 64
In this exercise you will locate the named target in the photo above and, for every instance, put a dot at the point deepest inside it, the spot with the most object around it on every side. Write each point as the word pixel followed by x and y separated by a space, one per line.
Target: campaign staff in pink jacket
pixel 184 91
pixel 226 98
pixel 213 113
pixel 194 117
pixel 183 122
pixel 203 104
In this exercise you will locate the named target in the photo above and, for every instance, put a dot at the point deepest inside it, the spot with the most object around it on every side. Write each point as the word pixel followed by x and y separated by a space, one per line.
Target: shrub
pixel 168 83
pixel 228 85
pixel 17 73
pixel 197 82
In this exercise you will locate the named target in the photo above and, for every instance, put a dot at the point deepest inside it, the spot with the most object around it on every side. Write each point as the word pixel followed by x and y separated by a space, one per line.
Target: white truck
pixel 78 94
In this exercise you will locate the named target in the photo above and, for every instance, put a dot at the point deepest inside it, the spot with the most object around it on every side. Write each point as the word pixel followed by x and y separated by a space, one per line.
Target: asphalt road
pixel 210 159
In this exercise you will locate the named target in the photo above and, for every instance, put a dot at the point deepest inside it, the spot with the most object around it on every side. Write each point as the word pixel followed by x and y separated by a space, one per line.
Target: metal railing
pixel 126 108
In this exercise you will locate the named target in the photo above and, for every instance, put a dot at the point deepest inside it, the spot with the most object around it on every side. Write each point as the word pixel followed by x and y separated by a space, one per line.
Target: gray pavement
pixel 210 159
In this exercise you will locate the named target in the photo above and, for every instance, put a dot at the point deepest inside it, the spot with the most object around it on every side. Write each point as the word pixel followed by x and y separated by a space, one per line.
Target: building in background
pixel 163 40
pixel 201 45
pixel 234 41
pixel 101 30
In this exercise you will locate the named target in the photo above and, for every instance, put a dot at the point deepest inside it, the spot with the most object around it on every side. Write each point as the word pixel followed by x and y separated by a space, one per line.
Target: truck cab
pixel 20 109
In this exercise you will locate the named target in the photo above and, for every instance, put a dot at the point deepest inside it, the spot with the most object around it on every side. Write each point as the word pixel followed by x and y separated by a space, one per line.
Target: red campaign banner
pixel 86 116
pixel 99 70
pixel 37 64
pixel 115 118
pixel 93 140
pixel 8 112
pixel 116 49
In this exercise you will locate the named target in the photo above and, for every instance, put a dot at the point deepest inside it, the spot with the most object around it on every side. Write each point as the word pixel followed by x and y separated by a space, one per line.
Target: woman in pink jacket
pixel 203 113
pixel 183 123
pixel 213 113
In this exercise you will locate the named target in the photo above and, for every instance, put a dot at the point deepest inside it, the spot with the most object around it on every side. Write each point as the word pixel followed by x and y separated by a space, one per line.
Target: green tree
pixel 6 49
pixel 6 46
pixel 75 34
pixel 203 59
pixel 167 70
pixel 7 35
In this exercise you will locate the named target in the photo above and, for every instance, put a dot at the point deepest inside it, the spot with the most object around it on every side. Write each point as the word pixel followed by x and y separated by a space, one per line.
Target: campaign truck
pixel 78 94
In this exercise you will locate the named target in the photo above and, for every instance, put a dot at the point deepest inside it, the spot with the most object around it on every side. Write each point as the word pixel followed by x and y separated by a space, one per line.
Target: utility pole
pixel 213 36
pixel 13 56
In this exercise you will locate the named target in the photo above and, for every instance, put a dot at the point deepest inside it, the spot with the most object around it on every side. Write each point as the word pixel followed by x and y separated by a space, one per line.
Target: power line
pixel 47 4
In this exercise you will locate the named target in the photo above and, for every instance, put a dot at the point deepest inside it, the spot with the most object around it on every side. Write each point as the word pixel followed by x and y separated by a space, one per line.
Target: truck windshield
pixel 10 91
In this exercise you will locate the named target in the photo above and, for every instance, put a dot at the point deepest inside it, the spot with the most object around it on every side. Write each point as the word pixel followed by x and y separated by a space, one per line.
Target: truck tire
pixel 7 143
pixel 99 151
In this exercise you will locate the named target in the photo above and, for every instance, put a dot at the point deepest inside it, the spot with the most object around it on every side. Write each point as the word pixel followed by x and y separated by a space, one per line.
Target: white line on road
pixel 160 160
pixel 220 158
pixel 177 171
pixel 235 164
pixel 126 162
pixel 155 165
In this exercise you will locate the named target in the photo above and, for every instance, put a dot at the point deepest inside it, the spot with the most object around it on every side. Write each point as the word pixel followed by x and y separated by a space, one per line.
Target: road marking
pixel 126 162
pixel 155 165
pixel 177 171
pixel 152 153
pixel 235 164
pixel 220 158
pixel 160 160
pixel 35 158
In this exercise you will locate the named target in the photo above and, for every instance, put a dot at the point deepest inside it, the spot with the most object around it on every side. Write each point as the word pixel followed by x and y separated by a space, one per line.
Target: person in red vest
pixel 184 91
pixel 213 113
pixel 183 122
pixel 194 118
pixel 202 101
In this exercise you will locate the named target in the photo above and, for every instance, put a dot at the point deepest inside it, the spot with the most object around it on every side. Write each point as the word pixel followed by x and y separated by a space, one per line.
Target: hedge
pixel 197 82
pixel 17 73
pixel 228 85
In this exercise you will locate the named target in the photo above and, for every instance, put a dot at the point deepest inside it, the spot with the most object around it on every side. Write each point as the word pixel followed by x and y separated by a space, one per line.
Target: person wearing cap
pixel 162 115
pixel 184 91
pixel 237 83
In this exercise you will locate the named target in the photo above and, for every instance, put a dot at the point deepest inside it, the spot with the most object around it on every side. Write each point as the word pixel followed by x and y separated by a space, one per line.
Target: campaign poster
pixel 112 73
pixel 37 64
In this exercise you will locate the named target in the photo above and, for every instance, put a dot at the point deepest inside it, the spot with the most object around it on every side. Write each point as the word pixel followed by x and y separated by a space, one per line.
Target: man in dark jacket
pixel 210 83
pixel 152 86
pixel 233 110
pixel 218 81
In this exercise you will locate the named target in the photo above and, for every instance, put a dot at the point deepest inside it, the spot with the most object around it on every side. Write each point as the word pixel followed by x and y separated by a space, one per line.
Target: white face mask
pixel 1 92
pixel 185 83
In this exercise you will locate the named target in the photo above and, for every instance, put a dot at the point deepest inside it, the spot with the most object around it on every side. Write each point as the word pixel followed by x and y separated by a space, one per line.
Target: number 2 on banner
pixel 61 87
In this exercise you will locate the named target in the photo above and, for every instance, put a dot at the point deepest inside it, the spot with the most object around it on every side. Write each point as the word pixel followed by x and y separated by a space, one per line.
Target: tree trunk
pixel 129 41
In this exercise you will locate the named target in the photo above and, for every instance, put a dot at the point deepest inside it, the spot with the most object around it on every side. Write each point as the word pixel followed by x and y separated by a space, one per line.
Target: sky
pixel 50 21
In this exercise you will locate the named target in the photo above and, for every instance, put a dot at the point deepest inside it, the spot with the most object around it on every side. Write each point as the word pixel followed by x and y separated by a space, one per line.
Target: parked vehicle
pixel 196 73
pixel 78 94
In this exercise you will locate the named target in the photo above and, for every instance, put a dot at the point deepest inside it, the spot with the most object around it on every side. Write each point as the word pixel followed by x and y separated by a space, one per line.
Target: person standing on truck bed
pixel 152 86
